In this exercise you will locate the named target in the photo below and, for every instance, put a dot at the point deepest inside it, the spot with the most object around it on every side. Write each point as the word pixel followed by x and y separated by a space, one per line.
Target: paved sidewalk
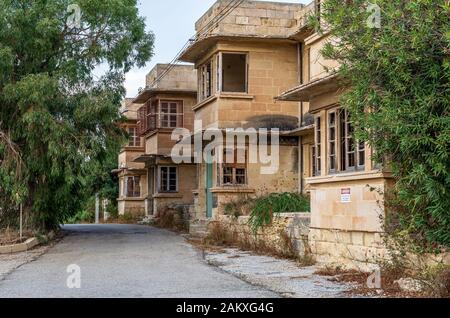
pixel 281 276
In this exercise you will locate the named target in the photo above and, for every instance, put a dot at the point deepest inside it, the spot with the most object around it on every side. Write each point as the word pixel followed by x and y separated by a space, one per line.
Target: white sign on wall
pixel 346 195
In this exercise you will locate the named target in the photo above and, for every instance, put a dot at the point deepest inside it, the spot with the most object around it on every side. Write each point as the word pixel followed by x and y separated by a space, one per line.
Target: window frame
pixel 318 145
pixel 332 158
pixel 235 166
pixel 206 80
pixel 179 113
pixel 134 140
pixel 220 72
pixel 134 193
pixel 160 181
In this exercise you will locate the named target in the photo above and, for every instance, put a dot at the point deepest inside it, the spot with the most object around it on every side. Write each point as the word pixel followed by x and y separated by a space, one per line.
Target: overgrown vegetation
pixel 172 219
pixel 220 234
pixel 398 77
pixel 57 120
pixel 265 207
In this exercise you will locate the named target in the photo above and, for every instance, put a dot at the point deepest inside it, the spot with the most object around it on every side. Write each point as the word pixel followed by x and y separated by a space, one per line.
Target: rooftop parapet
pixel 250 18
pixel 179 77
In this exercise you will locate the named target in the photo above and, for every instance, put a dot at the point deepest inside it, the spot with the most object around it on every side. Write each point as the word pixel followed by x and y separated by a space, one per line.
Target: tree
pixel 57 120
pixel 398 97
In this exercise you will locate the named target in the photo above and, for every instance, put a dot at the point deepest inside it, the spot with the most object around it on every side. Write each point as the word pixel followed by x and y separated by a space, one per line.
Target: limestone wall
pixel 253 18
pixel 294 225
pixel 179 77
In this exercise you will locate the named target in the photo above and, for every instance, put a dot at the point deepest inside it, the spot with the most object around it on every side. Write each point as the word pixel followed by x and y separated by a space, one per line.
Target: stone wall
pixel 253 18
pixel 179 77
pixel 294 225
pixel 362 251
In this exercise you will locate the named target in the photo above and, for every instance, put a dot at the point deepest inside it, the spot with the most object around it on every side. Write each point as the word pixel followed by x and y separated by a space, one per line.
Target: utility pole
pixel 97 209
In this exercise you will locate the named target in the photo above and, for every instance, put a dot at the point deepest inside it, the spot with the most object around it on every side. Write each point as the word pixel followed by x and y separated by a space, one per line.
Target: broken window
pixel 171 114
pixel 232 70
pixel 234 168
pixel 205 87
pixel 132 187
pixel 134 138
pixel 168 179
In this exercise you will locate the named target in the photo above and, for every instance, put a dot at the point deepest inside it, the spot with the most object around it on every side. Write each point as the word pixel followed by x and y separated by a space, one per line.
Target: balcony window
pixel 168 179
pixel 160 114
pixel 232 72
pixel 171 114
pixel 132 187
pixel 134 138
pixel 206 80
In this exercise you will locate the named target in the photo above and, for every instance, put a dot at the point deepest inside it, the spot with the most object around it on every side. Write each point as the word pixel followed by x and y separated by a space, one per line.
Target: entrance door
pixel 209 185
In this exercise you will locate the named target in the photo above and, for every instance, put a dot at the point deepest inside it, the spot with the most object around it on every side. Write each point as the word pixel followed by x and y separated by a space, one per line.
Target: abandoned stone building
pixel 259 67
pixel 150 180
pixel 243 63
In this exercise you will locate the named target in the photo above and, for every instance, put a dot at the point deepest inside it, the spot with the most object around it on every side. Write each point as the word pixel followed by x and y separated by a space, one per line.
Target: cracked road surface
pixel 124 261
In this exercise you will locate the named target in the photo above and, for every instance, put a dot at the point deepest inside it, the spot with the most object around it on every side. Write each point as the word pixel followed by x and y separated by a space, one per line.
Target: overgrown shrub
pixel 83 216
pixel 398 98
pixel 172 219
pixel 238 207
pixel 265 207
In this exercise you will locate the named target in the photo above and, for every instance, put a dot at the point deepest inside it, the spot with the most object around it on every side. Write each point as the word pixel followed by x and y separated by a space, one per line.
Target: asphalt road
pixel 124 261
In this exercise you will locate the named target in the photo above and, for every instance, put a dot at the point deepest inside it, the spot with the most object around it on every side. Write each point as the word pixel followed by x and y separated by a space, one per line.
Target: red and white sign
pixel 346 195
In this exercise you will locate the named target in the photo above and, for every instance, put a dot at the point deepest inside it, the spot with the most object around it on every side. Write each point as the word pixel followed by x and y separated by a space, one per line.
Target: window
pixel 332 142
pixel 309 63
pixel 205 81
pixel 352 153
pixel 134 138
pixel 168 179
pixel 313 161
pixel 132 187
pixel 171 114
pixel 343 151
pixel 160 114
pixel 234 171
pixel 318 147
pixel 233 72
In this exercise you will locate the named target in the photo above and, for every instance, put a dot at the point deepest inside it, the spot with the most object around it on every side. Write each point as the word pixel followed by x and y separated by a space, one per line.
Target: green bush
pixel 83 216
pixel 398 97
pixel 264 208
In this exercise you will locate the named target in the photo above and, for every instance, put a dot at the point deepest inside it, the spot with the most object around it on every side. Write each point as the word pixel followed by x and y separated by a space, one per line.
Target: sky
pixel 172 22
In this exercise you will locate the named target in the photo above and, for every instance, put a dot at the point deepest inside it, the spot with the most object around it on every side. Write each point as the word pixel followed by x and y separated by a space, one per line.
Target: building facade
pixel 346 186
pixel 260 67
pixel 243 63
pixel 163 106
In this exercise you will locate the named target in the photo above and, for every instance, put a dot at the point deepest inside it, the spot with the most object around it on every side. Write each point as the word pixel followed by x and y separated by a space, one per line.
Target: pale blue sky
pixel 172 21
